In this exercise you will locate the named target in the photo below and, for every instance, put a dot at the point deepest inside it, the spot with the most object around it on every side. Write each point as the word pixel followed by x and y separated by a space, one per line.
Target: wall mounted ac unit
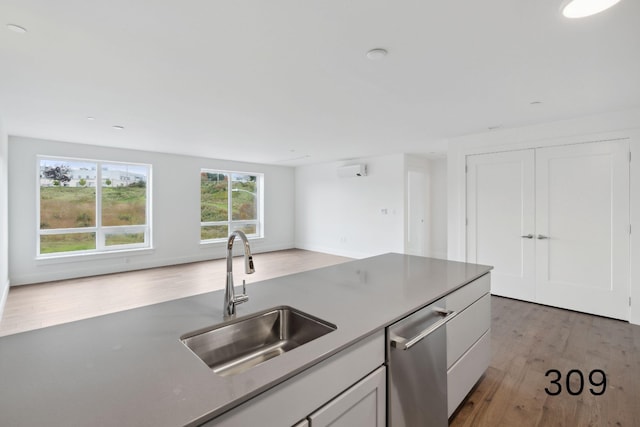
pixel 352 170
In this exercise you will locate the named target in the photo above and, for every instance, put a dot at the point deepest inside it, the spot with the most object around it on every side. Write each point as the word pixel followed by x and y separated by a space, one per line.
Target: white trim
pixel 230 223
pixel 95 269
pixel 634 249
pixel 80 256
pixel 456 175
pixel 3 297
pixel 223 242
pixel 99 231
pixel 337 252
pixel 460 148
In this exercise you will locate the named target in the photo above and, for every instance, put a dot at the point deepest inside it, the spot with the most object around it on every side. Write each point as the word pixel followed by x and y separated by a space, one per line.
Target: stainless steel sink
pixel 233 348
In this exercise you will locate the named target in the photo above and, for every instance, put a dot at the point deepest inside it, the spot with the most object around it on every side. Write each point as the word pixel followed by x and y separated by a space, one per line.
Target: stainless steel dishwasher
pixel 417 374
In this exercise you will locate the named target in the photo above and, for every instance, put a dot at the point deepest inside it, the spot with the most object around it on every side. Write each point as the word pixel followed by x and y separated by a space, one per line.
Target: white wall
pixel 175 210
pixel 623 124
pixel 344 216
pixel 4 241
pixel 438 207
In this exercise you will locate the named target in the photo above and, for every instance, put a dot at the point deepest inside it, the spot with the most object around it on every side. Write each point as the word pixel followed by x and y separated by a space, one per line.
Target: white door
pixel 416 211
pixel 582 228
pixel 500 210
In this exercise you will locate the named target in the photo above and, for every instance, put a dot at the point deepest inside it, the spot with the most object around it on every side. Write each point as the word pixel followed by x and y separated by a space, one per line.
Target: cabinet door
pixel 500 209
pixel 362 405
pixel 582 223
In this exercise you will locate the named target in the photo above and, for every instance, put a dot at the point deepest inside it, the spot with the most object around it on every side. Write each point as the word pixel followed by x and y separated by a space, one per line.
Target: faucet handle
pixel 239 299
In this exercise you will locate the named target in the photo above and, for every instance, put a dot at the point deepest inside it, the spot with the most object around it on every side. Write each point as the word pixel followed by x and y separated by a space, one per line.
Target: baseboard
pixel 120 265
pixel 334 251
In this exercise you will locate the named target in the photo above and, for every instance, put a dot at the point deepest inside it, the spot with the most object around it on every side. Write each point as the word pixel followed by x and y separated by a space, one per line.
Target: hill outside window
pixel 89 206
pixel 230 201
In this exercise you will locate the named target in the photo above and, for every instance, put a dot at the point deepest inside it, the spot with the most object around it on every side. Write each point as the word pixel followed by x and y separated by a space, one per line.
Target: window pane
pixel 214 202
pixel 67 194
pixel 123 239
pixel 124 194
pixel 67 242
pixel 244 197
pixel 246 228
pixel 214 232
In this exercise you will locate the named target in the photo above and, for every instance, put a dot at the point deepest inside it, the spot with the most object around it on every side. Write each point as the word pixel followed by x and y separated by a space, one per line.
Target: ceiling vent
pixel 352 170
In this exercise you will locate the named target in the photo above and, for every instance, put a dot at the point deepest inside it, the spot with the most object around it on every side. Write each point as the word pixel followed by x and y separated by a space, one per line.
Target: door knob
pixel 541 237
pixel 528 236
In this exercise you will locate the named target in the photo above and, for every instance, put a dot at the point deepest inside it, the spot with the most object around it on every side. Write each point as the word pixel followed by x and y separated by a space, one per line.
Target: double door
pixel 554 223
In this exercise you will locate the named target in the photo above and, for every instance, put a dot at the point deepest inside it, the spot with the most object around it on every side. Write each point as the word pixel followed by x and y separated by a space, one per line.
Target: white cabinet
pixel 293 400
pixel 465 373
pixel 363 405
pixel 468 339
pixel 554 223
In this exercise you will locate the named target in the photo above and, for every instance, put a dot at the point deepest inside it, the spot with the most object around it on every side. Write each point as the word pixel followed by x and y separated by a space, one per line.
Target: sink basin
pixel 233 348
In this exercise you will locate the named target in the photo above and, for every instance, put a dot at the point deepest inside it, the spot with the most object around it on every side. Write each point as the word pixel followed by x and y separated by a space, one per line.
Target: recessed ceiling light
pixel 118 127
pixel 16 28
pixel 378 53
pixel 582 8
pixel 91 118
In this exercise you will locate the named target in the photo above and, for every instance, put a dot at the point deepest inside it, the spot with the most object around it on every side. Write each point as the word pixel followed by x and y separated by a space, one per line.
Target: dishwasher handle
pixel 406 344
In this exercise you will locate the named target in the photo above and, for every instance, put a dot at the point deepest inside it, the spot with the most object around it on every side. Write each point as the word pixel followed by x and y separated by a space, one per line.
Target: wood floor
pixel 36 306
pixel 527 341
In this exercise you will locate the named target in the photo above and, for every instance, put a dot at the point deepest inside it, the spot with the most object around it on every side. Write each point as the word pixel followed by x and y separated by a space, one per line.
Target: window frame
pixel 101 231
pixel 230 222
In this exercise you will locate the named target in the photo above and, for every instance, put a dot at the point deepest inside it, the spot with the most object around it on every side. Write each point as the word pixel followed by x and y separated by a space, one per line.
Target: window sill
pixel 223 242
pixel 92 256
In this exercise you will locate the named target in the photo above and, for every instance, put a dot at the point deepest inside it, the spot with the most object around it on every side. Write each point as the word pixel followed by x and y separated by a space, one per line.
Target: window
pixel 88 206
pixel 229 201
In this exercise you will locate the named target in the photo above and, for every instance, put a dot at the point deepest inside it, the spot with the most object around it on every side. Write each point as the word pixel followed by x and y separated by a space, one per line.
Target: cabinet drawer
pixel 468 294
pixel 463 375
pixel 465 329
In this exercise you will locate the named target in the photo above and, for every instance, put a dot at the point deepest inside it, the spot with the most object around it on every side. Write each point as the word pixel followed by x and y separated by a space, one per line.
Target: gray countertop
pixel 130 368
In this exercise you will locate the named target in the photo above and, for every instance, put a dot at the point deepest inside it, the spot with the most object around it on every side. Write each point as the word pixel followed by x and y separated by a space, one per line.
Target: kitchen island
pixel 131 368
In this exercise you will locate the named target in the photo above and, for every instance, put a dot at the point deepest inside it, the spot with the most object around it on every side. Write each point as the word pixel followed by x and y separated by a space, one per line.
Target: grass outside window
pixel 229 201
pixel 91 206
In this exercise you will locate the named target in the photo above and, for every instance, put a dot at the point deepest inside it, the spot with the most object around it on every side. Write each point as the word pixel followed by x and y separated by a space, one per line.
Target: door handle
pixel 528 236
pixel 542 237
pixel 406 344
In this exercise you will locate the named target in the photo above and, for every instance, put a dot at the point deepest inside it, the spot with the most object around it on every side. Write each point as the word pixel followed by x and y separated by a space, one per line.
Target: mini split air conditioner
pixel 352 170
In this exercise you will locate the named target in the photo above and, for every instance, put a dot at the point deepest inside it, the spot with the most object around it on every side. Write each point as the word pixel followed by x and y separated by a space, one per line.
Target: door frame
pixel 500 142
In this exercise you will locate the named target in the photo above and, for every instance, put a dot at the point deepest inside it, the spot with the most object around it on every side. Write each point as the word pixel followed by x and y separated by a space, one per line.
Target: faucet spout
pixel 230 297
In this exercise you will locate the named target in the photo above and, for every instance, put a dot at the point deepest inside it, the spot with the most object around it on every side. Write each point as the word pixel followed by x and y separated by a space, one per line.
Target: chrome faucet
pixel 230 297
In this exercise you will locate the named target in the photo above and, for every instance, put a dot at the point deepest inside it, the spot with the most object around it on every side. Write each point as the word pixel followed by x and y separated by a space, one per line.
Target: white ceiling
pixel 287 81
